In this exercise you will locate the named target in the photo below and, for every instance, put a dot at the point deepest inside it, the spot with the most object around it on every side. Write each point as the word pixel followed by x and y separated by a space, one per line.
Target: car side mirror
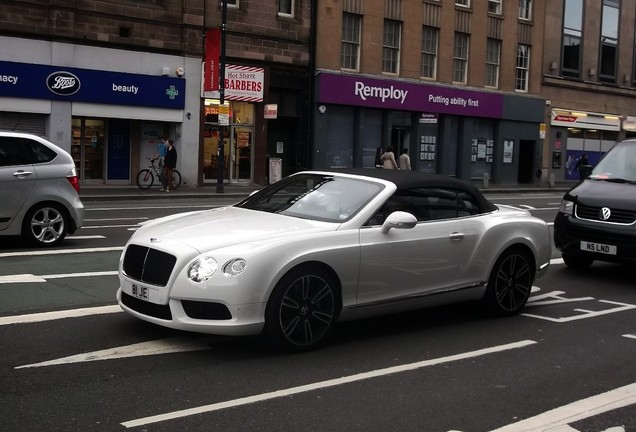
pixel 399 220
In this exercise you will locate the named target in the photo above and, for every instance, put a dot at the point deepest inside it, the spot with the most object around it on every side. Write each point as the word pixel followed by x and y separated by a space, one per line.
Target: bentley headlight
pixel 234 267
pixel 566 207
pixel 202 269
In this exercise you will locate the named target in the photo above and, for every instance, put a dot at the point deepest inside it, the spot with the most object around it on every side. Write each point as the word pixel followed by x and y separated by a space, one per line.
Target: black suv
pixel 597 218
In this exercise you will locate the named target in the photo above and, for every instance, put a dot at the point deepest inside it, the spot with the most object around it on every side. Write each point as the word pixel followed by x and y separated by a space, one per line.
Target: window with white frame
pixel 286 8
pixel 525 9
pixel 391 46
pixel 430 38
pixel 350 51
pixel 460 57
pixel 494 6
pixel 493 56
pixel 232 3
pixel 462 3
pixel 523 68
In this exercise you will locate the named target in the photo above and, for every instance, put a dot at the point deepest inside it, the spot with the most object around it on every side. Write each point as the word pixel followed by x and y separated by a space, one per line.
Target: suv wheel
pixel 45 225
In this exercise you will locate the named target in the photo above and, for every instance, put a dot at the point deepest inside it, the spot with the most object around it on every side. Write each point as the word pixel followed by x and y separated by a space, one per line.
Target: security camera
pixel 180 71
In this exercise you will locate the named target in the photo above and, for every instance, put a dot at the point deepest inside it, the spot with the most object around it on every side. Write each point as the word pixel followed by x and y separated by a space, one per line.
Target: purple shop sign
pixel 398 95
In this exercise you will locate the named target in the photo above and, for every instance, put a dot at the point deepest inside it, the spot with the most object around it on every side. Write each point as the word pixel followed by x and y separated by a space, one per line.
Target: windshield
pixel 314 196
pixel 618 164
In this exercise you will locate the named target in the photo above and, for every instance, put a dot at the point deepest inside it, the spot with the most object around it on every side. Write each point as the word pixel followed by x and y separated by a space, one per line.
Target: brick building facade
pixel 154 49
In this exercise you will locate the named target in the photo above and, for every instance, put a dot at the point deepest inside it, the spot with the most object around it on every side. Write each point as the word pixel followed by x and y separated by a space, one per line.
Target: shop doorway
pixel 400 138
pixel 526 161
pixel 87 149
pixel 242 154
pixel 237 148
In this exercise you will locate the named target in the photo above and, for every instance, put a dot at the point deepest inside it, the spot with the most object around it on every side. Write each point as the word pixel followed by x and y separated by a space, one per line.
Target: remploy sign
pixel 382 93
pixel 401 95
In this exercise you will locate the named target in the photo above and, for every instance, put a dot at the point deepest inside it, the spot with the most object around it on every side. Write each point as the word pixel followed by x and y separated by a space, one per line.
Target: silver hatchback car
pixel 39 190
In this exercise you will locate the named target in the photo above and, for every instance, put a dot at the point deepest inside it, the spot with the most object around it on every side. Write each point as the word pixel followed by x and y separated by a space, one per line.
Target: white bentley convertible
pixel 322 246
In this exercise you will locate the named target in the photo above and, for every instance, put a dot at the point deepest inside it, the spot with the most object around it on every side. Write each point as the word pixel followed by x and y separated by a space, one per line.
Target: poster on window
pixel 508 149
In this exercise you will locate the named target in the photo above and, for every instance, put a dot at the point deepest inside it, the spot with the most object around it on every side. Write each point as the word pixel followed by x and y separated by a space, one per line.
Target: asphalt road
pixel 71 361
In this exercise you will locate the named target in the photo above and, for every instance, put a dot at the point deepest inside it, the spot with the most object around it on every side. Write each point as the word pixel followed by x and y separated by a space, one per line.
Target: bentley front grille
pixel 148 265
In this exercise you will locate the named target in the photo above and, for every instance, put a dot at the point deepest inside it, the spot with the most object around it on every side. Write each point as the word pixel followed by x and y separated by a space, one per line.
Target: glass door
pixel 87 148
pixel 242 154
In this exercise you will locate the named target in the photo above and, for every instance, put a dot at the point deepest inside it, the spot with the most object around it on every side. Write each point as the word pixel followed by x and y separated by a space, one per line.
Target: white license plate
pixel 598 248
pixel 140 291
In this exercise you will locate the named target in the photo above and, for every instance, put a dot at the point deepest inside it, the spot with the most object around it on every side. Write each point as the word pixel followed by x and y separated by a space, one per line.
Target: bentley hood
pixel 212 229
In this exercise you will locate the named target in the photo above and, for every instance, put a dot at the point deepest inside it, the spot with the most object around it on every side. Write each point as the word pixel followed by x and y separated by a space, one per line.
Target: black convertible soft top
pixel 405 180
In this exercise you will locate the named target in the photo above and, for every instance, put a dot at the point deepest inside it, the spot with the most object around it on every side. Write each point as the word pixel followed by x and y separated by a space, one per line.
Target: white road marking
pixel 630 336
pixel 322 384
pixel 156 207
pixel 579 410
pixel 54 315
pixel 115 219
pixel 88 237
pixel 556 261
pixel 107 226
pixel 29 278
pixel 156 347
pixel 60 251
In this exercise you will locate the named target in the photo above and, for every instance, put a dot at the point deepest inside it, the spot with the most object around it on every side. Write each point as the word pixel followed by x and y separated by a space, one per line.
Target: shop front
pixel 99 117
pixel 574 133
pixel 233 124
pixel 469 134
pixel 238 139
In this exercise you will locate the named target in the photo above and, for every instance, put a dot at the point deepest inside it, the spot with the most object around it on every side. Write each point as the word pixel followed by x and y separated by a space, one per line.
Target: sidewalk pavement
pixel 240 191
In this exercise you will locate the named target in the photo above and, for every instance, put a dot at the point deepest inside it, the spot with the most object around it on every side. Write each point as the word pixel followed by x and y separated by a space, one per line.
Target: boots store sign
pixel 25 80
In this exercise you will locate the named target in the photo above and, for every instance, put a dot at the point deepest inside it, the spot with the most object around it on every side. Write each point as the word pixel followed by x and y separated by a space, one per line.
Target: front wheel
pixel 302 309
pixel 45 225
pixel 145 179
pixel 510 282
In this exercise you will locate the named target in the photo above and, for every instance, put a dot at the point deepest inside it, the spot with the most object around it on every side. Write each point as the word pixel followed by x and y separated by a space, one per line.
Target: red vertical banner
pixel 212 55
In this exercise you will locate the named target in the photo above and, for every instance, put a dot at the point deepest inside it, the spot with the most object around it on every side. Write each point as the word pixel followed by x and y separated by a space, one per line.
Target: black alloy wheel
pixel 302 309
pixel 510 282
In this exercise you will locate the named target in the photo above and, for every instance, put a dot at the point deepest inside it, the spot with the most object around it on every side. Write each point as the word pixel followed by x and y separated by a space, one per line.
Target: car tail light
pixel 73 179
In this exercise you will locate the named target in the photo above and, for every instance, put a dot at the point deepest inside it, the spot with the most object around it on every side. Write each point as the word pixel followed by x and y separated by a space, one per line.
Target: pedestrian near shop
pixel 405 160
pixel 169 164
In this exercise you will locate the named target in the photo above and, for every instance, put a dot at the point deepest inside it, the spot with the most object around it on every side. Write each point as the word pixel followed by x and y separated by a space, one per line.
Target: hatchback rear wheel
pixel 45 225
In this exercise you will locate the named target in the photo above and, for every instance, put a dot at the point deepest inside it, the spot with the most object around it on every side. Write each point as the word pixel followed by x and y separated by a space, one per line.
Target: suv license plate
pixel 598 248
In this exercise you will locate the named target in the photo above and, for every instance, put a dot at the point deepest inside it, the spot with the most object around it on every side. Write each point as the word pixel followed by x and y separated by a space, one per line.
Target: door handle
pixel 456 236
pixel 22 174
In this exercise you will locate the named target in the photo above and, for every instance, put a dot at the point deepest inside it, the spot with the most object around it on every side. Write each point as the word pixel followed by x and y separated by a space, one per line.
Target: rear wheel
pixel 176 178
pixel 145 179
pixel 577 262
pixel 45 225
pixel 510 282
pixel 302 309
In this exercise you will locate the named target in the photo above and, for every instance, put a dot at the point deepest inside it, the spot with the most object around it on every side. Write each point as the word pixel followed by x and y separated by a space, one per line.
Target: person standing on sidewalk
pixel 169 164
pixel 162 147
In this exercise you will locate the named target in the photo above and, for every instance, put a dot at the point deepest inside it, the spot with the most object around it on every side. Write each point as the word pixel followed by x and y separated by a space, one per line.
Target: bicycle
pixel 146 176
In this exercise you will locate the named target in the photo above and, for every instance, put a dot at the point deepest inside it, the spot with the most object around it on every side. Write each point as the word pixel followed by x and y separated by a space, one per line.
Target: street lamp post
pixel 221 149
